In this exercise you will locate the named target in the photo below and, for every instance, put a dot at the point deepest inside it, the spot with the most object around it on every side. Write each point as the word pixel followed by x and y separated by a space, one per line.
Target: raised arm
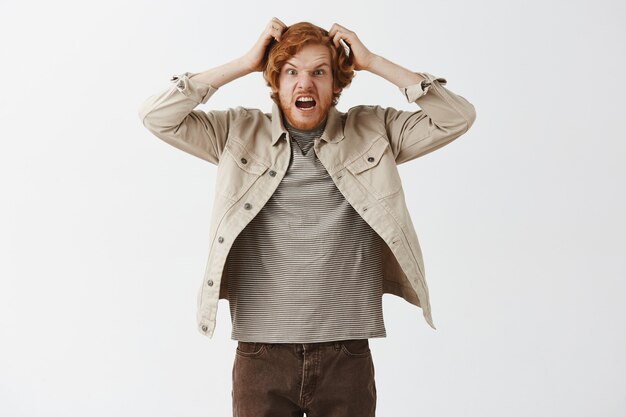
pixel 170 115
pixel 444 115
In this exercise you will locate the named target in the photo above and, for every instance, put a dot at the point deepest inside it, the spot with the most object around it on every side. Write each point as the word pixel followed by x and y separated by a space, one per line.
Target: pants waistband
pixel 306 346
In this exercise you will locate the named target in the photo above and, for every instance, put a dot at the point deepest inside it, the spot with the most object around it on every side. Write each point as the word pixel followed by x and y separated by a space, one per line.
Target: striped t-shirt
pixel 307 268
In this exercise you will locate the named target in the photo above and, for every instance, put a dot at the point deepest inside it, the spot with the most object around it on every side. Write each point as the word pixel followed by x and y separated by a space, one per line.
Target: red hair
pixel 292 41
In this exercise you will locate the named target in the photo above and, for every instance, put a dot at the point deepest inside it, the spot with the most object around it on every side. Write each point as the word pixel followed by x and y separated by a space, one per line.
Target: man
pixel 310 226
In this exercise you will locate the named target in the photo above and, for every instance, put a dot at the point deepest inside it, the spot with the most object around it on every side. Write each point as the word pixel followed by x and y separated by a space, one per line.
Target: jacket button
pixel 370 159
pixel 272 173
pixel 244 161
pixel 204 328
pixel 220 239
pixel 210 283
pixel 247 206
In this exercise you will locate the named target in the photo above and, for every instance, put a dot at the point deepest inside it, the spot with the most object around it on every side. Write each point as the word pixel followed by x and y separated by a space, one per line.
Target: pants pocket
pixel 250 349
pixel 356 348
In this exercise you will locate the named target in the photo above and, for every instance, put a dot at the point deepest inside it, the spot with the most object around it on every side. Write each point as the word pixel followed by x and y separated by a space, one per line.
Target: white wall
pixel 104 228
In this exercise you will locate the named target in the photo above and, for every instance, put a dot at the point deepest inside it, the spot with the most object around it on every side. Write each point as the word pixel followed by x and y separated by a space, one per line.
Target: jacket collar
pixel 333 132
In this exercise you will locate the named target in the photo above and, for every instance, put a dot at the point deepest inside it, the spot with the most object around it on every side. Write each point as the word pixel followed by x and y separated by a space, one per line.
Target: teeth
pixel 305 99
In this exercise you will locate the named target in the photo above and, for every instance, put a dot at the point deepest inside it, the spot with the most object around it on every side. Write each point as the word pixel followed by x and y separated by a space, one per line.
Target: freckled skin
pixel 309 72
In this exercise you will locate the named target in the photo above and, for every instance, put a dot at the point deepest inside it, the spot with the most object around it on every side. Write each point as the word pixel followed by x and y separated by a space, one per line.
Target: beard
pixel 305 119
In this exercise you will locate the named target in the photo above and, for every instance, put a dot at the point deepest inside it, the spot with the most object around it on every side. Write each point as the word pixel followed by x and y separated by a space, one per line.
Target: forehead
pixel 310 55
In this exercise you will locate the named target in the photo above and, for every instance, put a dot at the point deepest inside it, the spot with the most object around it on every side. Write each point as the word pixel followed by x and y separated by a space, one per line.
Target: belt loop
pixel 337 345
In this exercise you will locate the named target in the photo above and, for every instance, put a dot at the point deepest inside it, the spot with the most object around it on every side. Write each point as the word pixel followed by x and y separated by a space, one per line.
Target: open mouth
pixel 305 103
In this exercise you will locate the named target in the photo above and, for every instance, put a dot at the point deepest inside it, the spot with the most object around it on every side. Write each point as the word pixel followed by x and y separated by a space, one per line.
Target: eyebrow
pixel 319 66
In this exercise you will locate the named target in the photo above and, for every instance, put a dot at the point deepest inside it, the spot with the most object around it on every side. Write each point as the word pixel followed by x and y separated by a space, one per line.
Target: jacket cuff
pixel 415 91
pixel 194 90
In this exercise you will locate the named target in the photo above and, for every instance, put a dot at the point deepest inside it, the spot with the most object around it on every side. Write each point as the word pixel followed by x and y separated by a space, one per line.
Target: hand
pixel 255 57
pixel 361 56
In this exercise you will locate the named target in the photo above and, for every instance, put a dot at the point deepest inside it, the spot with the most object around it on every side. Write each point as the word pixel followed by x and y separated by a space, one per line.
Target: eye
pixel 291 71
pixel 318 72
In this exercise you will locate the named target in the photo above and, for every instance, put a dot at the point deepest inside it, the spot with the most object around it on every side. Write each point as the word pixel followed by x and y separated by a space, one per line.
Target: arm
pixel 170 115
pixel 444 115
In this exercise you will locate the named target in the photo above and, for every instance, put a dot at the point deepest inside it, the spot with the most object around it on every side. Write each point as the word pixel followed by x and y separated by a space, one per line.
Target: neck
pixel 289 126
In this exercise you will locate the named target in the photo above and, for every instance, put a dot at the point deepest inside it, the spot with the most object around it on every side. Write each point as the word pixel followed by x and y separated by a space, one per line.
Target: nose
pixel 305 81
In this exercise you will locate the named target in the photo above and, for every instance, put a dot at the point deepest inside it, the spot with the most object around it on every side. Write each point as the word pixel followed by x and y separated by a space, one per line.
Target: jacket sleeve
pixel 170 116
pixel 444 116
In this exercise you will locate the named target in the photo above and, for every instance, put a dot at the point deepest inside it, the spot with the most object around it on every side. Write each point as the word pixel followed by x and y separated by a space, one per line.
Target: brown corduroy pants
pixel 327 379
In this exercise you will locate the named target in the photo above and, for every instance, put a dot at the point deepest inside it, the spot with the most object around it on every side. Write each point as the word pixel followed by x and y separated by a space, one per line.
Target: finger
pixel 277 33
pixel 332 30
pixel 344 45
pixel 336 38
pixel 277 20
pixel 275 24
pixel 336 28
pixel 276 28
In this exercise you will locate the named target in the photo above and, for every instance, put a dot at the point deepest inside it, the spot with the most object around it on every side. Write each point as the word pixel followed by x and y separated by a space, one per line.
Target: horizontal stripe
pixel 307 268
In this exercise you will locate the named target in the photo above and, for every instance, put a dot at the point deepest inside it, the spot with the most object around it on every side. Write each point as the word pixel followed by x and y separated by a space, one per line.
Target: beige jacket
pixel 360 149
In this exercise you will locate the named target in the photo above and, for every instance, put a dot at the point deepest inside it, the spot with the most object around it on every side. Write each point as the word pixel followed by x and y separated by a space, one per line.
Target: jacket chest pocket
pixel 237 170
pixel 376 169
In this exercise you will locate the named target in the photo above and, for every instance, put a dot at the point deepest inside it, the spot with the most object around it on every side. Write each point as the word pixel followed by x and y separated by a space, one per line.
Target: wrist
pixel 372 62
